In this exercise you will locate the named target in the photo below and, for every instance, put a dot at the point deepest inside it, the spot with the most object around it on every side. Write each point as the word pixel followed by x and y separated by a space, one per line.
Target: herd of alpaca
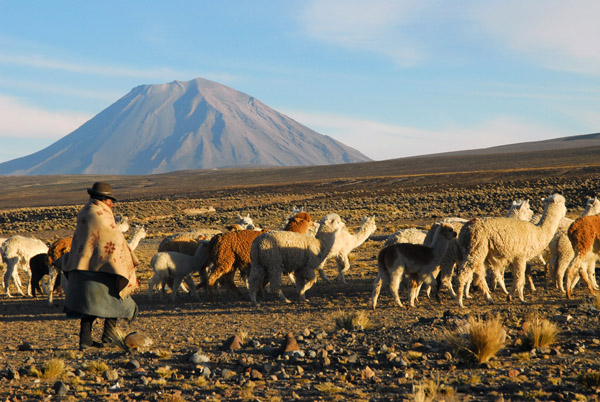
pixel 451 255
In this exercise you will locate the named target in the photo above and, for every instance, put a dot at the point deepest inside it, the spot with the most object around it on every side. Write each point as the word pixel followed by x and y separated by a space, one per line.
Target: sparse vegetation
pixel 352 320
pixel 480 340
pixel 538 333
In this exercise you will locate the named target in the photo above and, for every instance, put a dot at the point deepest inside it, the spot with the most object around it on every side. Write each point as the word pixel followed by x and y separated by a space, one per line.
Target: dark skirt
pixel 95 294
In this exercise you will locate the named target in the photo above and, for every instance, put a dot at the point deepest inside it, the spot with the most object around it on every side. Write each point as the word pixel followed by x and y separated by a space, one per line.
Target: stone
pixel 232 343
pixel 111 375
pixel 25 346
pixel 60 388
pixel 562 318
pixel 227 374
pixel 133 364
pixel 367 373
pixel 289 345
pixel 198 358
pixel 512 373
pixel 255 375
pixel 136 340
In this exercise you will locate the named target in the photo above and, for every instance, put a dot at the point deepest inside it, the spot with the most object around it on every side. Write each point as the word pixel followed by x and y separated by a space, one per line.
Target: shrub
pixel 351 321
pixel 480 340
pixel 538 333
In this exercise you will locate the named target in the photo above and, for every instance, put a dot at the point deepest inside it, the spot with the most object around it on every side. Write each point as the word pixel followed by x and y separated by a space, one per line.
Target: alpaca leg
pixel 256 280
pixel 151 284
pixel 414 286
pixel 275 279
pixel 309 279
pixel 591 271
pixel 446 274
pixel 8 275
pixel 529 276
pixel 519 267
pixel 323 274
pixel 343 265
pixel 394 284
pixel 572 272
pixel 376 289
pixel 53 274
pixel 192 287
pixel 175 287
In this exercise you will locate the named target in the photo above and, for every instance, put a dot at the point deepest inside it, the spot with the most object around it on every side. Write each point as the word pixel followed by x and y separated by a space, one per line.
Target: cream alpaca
pixel 275 253
pixel 419 262
pixel 348 242
pixel 16 252
pixel 502 241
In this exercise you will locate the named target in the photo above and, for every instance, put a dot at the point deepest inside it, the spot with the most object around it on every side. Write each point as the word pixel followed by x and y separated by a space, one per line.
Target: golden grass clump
pixel 479 340
pixel 590 379
pixel 54 368
pixel 352 320
pixel 96 366
pixel 432 389
pixel 538 333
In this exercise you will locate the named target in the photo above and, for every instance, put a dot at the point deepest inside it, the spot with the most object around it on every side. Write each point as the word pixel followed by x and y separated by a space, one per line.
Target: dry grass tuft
pixel 480 340
pixel 591 379
pixel 54 368
pixel 118 339
pixel 538 333
pixel 432 389
pixel 352 320
pixel 96 366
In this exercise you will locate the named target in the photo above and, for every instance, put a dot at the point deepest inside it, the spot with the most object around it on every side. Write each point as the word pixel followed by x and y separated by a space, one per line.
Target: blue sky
pixel 390 78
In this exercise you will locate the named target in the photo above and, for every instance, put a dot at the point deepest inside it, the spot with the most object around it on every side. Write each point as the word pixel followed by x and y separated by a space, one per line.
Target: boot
pixel 85 334
pixel 110 330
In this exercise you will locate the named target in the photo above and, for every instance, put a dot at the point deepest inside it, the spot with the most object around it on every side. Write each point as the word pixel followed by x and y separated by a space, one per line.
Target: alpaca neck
pixel 363 234
pixel 439 246
pixel 326 242
pixel 550 220
pixel 137 236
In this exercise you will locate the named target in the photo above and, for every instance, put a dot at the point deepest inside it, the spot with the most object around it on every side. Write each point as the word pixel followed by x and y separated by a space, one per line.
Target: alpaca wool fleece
pixel 98 246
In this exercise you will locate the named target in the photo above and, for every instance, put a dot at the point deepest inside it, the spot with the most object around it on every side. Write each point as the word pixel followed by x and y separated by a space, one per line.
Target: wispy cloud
pixel 19 120
pixel 377 26
pixel 554 33
pixel 387 141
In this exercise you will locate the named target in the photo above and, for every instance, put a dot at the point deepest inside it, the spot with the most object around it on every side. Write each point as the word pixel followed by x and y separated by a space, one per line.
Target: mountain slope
pixel 196 124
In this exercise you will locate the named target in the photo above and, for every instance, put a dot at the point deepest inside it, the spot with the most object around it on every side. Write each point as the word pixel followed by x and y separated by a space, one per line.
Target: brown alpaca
pixel 299 223
pixel 56 251
pixel 229 252
pixel 584 235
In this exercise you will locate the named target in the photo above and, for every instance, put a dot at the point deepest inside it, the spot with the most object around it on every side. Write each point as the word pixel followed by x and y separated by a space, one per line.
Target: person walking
pixel 100 269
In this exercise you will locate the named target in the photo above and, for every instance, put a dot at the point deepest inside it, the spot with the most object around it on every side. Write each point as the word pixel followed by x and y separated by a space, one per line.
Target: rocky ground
pixel 388 354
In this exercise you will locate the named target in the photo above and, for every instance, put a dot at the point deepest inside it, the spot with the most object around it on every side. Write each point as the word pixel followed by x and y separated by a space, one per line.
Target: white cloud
pixel 19 120
pixel 387 141
pixel 557 34
pixel 374 26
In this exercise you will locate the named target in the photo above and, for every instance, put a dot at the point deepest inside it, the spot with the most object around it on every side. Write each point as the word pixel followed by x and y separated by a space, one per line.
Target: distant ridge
pixel 197 124
pixel 576 141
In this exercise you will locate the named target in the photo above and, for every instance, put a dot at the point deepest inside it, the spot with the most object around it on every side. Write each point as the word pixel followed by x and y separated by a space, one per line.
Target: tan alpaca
pixel 584 234
pixel 496 242
pixel 417 261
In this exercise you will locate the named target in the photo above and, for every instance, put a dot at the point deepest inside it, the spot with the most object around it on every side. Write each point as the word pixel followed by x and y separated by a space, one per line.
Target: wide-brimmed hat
pixel 101 190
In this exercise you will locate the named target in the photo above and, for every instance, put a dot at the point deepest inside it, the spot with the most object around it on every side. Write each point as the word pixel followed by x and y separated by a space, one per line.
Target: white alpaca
pixel 561 251
pixel 122 223
pixel 281 252
pixel 16 252
pixel 408 235
pixel 243 223
pixel 501 241
pixel 138 234
pixel 178 267
pixel 417 261
pixel 346 243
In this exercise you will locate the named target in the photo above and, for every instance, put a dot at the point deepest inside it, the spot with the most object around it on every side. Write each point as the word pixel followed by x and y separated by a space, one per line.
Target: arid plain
pixel 395 354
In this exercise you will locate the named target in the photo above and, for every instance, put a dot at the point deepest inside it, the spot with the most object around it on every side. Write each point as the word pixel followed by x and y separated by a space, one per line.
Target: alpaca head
pixel 520 209
pixel 245 222
pixel 122 223
pixel 556 202
pixel 447 231
pixel 592 207
pixel 369 224
pixel 331 223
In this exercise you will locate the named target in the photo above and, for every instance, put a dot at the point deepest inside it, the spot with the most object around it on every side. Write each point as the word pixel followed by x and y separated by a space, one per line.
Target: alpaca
pixel 301 222
pixel 275 253
pixel 39 269
pixel 16 252
pixel 584 235
pixel 178 267
pixel 415 260
pixel 243 223
pixel 56 251
pixel 561 251
pixel 227 253
pixel 139 233
pixel 122 223
pixel 497 241
pixel 348 242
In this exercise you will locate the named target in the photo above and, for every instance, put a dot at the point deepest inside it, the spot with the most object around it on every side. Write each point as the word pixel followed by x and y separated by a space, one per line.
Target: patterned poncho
pixel 98 246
